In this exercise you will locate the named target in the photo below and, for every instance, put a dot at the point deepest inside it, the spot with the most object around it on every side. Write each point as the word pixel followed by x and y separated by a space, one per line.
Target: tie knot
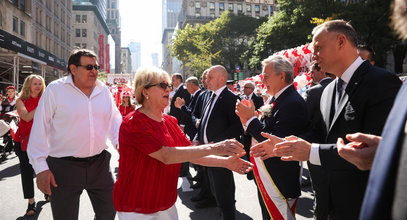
pixel 340 85
pixel 273 99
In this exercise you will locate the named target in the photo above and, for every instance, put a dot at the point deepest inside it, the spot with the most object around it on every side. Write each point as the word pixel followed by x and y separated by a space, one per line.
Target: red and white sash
pixel 277 205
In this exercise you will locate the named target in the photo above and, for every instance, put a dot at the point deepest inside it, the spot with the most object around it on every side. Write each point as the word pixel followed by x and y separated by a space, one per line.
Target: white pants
pixel 169 214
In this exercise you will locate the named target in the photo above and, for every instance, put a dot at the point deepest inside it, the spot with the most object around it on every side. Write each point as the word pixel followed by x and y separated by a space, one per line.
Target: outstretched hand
pixel 229 147
pixel 238 165
pixel 293 149
pixel 264 150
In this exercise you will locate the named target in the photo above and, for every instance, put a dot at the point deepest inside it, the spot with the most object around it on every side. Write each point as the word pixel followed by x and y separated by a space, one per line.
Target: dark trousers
pixel 72 177
pixel 205 184
pixel 27 172
pixel 223 188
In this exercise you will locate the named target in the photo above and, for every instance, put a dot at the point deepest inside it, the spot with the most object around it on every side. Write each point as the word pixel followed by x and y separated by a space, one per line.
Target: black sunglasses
pixel 90 67
pixel 162 85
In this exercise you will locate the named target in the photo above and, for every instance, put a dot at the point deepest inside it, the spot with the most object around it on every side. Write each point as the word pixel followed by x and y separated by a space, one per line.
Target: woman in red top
pixel 151 147
pixel 126 107
pixel 27 102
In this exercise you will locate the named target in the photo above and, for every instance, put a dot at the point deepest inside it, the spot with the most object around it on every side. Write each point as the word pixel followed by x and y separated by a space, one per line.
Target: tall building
pixel 126 60
pixel 35 37
pixel 135 49
pixel 90 30
pixel 113 22
pixel 202 11
pixel 154 58
pixel 170 12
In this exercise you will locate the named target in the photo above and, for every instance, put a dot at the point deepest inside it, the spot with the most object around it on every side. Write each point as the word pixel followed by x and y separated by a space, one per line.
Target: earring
pixel 147 97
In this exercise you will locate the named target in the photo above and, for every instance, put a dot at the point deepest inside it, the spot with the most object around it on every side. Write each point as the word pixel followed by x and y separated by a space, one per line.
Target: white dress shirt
pixel 69 123
pixel 346 76
pixel 217 92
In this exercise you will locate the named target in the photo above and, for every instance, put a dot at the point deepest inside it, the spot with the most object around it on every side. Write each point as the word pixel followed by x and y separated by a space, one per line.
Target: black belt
pixel 82 159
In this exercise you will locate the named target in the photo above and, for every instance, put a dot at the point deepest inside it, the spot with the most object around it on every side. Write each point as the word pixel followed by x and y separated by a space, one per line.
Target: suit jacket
pixel 189 117
pixel 246 139
pixel 176 112
pixel 378 200
pixel 289 117
pixel 364 107
pixel 223 123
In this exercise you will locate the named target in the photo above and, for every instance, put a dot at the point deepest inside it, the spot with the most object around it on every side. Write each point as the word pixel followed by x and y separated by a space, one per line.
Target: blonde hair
pixel 25 92
pixel 130 105
pixel 145 77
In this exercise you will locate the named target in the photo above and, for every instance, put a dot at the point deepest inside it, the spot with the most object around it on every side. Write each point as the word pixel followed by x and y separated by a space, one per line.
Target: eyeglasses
pixel 90 67
pixel 162 85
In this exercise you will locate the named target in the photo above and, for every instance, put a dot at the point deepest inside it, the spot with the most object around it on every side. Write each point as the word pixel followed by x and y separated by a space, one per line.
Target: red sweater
pixel 24 128
pixel 144 184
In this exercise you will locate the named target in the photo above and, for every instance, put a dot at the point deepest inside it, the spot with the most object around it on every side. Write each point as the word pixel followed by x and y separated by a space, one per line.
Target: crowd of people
pixel 335 126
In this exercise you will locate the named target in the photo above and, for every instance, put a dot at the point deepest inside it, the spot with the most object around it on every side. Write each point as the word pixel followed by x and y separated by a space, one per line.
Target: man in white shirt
pixel 74 118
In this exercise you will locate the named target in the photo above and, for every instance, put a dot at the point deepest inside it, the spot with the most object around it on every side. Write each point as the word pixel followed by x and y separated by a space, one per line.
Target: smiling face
pixel 36 87
pixel 158 97
pixel 84 79
pixel 274 82
pixel 11 93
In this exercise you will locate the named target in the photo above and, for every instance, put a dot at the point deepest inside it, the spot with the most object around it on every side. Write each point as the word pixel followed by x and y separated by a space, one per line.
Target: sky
pixel 141 21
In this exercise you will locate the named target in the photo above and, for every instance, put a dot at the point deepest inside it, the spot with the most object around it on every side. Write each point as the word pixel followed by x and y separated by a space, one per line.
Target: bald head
pixel 217 77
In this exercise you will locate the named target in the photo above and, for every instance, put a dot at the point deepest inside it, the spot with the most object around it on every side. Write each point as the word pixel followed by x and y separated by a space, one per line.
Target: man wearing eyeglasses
pixel 74 118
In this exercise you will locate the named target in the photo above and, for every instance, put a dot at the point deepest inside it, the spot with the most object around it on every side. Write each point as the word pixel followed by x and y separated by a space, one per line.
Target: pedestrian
pixel 126 106
pixel 152 150
pixel 74 118
pixel 27 103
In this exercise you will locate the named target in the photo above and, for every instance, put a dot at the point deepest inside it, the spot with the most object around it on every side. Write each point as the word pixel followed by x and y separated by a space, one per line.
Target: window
pixel 197 4
pixel 271 11
pixel 15 24
pixel 239 7
pixel 257 8
pixel 21 5
pixel 77 32
pixel 212 5
pixel 221 6
pixel 248 8
pixel 212 15
pixel 114 5
pixel 22 28
pixel 197 15
pixel 108 3
pixel 84 45
pixel 84 19
pixel 84 33
pixel 230 7
pixel 78 45
pixel 1 20
pixel 77 18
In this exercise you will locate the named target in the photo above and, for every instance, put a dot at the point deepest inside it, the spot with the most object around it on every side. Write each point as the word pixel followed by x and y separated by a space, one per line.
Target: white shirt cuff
pixel 40 166
pixel 250 120
pixel 314 155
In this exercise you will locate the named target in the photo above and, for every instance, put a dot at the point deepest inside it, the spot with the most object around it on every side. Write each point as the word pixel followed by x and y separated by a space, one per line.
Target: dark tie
pixel 273 99
pixel 206 117
pixel 339 88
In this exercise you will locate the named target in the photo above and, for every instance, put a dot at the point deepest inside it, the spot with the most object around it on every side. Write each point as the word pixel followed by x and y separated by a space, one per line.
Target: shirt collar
pixel 178 86
pixel 219 91
pixel 347 75
pixel 195 92
pixel 281 91
pixel 68 80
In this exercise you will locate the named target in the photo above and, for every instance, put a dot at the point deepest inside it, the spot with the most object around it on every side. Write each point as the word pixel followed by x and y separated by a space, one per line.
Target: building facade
pixel 170 12
pixel 90 31
pixel 135 49
pixel 113 22
pixel 35 37
pixel 126 60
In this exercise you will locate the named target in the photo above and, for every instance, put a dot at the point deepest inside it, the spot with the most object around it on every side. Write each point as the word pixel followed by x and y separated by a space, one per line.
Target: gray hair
pixel 193 80
pixel 280 64
pixel 251 84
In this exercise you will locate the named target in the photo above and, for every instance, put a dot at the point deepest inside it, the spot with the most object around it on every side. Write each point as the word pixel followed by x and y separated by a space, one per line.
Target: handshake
pixel 360 150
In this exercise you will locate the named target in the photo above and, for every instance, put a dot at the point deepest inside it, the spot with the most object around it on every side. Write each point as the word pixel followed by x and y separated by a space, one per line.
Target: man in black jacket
pixel 180 91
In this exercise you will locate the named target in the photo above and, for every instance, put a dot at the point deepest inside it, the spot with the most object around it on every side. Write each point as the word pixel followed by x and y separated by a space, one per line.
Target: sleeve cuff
pixel 40 166
pixel 314 155
pixel 250 120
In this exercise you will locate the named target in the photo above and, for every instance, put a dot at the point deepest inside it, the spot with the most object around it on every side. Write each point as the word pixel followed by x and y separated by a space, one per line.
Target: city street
pixel 14 206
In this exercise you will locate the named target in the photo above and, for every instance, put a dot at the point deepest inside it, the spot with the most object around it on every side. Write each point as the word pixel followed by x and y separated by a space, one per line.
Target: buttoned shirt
pixel 69 123
pixel 346 76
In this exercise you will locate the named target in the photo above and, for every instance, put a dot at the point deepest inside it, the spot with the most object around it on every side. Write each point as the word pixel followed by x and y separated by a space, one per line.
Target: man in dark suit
pixel 359 100
pixel 386 195
pixel 288 116
pixel 180 91
pixel 312 97
pixel 219 122
pixel 192 85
